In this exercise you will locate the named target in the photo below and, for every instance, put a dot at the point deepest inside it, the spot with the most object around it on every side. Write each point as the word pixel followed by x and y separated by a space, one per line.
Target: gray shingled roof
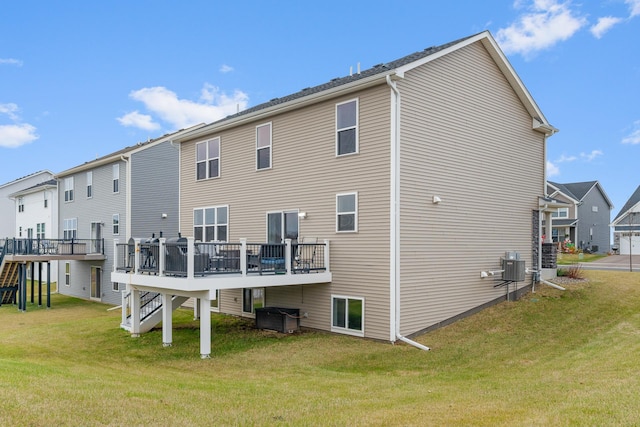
pixel 376 69
pixel 633 200
pixel 575 190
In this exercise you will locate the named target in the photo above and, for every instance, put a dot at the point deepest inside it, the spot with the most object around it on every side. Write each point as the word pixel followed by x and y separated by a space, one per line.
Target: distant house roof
pixel 109 158
pixel 52 183
pixel 375 75
pixel 42 172
pixel 578 190
pixel 631 203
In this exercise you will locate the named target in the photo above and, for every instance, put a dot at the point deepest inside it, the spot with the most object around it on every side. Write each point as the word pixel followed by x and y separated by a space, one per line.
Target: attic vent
pixel 306 88
pixel 273 99
pixel 378 65
pixel 336 79
pixel 430 48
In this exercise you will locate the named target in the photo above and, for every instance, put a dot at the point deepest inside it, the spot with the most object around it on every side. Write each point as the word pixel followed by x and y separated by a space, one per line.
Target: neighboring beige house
pixel 413 177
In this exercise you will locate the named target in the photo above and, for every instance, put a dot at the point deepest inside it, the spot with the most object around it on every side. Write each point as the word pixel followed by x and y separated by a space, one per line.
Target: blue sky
pixel 82 79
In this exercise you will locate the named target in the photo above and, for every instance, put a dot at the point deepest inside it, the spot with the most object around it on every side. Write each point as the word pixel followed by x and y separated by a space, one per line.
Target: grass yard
pixel 568 259
pixel 552 358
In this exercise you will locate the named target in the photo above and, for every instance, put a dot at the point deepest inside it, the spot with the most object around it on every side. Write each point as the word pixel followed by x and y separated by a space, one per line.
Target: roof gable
pixel 633 204
pixel 377 75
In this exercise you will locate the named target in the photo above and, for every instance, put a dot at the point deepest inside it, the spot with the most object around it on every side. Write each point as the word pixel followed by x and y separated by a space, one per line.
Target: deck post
pixel 136 256
pixel 191 250
pixel 167 319
pixel 326 255
pixel 48 284
pixel 287 255
pixel 243 256
pixel 135 312
pixel 205 327
pixel 161 255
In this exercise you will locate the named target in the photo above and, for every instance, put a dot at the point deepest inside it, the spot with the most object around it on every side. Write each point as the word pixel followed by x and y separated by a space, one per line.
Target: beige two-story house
pixel 398 187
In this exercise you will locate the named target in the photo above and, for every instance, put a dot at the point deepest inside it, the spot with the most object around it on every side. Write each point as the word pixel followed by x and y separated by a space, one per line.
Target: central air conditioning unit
pixel 514 270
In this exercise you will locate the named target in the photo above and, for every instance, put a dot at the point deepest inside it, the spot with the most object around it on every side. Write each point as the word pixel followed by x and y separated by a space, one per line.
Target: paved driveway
pixel 614 262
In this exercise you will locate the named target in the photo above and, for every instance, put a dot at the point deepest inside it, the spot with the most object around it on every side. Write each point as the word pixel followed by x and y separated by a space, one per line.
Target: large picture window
pixel 208 159
pixel 347 315
pixel 347 212
pixel 263 146
pixel 211 224
pixel 347 127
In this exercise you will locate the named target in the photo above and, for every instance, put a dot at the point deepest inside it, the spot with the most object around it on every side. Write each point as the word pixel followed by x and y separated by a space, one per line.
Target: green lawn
pixel 552 358
pixel 567 259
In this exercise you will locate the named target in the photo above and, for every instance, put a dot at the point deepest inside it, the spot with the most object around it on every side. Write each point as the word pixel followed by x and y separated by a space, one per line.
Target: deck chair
pixel 271 258
pixel 305 254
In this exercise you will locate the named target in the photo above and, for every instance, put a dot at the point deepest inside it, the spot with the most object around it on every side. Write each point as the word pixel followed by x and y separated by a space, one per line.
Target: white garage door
pixel 635 244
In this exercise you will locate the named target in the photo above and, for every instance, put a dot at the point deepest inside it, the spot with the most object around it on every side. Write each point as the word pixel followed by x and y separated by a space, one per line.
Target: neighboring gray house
pixel 378 204
pixel 133 191
pixel 7 205
pixel 586 221
pixel 626 226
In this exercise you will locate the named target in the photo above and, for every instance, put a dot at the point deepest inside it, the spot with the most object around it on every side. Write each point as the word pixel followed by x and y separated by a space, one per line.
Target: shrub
pixel 574 271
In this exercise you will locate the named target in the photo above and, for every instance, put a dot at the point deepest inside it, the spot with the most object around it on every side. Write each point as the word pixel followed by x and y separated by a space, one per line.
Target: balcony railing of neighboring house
pixel 54 246
pixel 176 257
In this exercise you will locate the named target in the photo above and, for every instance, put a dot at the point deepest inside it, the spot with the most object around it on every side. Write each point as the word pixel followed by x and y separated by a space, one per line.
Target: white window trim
pixel 89 178
pixel 264 300
pixel 68 189
pixel 216 309
pixel 345 330
pixel 115 171
pixel 270 146
pixel 113 224
pixel 356 127
pixel 208 159
pixel 355 219
pixel 215 225
pixel 67 282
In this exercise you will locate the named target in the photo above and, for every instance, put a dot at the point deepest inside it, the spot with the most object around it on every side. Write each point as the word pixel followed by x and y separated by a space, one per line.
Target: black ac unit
pixel 514 270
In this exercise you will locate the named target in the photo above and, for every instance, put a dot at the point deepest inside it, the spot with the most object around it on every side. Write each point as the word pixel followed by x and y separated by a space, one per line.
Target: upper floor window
pixel 20 204
pixel 347 212
pixel 263 146
pixel 347 127
pixel 89 184
pixel 211 224
pixel 40 234
pixel 116 178
pixel 68 189
pixel 561 213
pixel 70 228
pixel 594 208
pixel 116 224
pixel 208 159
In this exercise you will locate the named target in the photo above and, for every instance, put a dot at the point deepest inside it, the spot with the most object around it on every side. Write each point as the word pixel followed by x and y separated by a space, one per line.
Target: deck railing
pixel 187 258
pixel 53 246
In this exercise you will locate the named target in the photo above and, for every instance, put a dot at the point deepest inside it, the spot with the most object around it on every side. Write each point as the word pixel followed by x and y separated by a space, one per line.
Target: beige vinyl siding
pixel 467 139
pixel 306 175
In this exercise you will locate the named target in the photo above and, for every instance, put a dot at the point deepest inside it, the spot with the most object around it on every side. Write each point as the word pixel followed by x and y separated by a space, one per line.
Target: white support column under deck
pixel 205 327
pixel 135 313
pixel 167 319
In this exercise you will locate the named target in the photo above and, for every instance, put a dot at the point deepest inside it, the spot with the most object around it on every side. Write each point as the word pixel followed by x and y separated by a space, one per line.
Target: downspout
pixel 394 259
pixel 128 197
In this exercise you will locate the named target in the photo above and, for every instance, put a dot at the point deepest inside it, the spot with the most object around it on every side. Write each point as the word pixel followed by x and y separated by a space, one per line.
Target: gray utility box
pixel 514 270
pixel 285 320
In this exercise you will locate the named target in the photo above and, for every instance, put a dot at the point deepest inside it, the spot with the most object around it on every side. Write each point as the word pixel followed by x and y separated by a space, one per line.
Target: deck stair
pixel 8 281
pixel 151 310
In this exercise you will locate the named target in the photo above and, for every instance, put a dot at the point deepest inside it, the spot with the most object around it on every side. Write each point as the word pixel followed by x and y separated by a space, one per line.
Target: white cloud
pixel 12 136
pixel 634 137
pixel 10 110
pixel 16 134
pixel 604 24
pixel 589 157
pixel 566 159
pixel 552 170
pixel 11 61
pixel 634 7
pixel 137 120
pixel 546 23
pixel 224 68
pixel 182 113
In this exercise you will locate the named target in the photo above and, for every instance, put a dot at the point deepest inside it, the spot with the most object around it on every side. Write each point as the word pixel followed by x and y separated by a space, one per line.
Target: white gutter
pixel 394 258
